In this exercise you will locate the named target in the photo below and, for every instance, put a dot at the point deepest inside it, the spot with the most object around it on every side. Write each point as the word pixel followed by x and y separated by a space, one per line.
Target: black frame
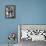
pixel 10 11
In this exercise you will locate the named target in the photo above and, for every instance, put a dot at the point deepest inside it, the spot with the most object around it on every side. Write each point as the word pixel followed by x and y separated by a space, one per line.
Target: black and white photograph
pixel 10 11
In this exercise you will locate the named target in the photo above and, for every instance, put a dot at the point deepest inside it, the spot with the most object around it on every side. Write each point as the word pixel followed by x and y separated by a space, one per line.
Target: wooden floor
pixel 30 43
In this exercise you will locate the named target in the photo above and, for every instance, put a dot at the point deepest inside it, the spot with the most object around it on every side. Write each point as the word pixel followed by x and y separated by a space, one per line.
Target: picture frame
pixel 10 11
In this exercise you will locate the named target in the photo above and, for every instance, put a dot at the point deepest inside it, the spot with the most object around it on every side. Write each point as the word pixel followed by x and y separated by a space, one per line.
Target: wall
pixel 31 11
pixel 27 12
pixel 6 25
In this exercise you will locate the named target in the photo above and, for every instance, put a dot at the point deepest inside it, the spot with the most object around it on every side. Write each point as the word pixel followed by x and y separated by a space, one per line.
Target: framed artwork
pixel 32 32
pixel 10 11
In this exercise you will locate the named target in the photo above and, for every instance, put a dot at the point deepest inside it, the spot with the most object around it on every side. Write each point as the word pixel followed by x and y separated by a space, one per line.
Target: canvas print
pixel 33 32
